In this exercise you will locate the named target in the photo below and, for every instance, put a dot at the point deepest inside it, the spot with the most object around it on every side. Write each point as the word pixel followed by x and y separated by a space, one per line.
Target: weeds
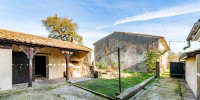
pixel 179 90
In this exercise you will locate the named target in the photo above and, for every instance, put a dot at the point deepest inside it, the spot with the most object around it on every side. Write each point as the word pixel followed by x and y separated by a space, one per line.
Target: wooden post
pixel 120 89
pixel 30 55
pixel 157 70
pixel 67 55
pixel 30 58
pixel 198 75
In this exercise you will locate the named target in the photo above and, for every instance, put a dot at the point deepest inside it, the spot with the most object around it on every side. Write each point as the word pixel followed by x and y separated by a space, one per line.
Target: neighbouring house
pixel 132 47
pixel 192 61
pixel 24 56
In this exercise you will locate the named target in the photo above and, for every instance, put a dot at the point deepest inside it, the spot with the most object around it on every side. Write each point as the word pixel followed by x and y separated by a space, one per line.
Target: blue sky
pixel 172 19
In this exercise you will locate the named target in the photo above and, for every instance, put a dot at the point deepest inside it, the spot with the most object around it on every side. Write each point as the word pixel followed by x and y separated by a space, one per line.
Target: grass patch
pixel 11 92
pixel 110 86
pixel 179 90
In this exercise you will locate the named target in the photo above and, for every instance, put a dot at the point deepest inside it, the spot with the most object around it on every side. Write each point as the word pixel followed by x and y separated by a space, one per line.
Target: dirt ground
pixel 58 91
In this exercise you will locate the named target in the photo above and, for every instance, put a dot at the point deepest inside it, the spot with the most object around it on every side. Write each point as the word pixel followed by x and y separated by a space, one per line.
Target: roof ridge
pixel 137 33
pixel 127 33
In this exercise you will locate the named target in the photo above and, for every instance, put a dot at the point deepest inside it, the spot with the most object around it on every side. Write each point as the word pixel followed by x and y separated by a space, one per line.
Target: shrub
pixel 116 65
pixel 151 57
pixel 103 65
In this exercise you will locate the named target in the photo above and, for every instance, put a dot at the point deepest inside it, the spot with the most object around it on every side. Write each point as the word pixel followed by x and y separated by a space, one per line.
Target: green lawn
pixel 110 86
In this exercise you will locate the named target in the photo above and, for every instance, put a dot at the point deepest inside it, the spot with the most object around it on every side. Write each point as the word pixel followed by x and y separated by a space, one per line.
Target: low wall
pixel 133 90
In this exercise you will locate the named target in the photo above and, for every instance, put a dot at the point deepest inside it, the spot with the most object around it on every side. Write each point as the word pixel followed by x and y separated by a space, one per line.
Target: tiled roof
pixel 138 34
pixel 38 40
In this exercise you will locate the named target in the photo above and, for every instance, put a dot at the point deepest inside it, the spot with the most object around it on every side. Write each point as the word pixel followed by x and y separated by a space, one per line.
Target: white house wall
pixel 5 69
pixel 191 73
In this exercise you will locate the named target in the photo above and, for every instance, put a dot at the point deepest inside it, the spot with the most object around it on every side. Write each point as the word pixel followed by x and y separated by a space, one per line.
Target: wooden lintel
pixel 5 46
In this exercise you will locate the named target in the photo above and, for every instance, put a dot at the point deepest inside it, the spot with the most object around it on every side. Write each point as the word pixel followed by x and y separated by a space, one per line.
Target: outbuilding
pixel 132 47
pixel 24 56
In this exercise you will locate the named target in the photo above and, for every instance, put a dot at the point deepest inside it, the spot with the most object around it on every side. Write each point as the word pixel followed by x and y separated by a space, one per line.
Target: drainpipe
pixel 188 42
pixel 192 32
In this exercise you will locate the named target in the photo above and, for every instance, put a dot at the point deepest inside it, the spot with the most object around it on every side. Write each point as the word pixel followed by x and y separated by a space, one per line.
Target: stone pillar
pixel 157 70
pixel 198 75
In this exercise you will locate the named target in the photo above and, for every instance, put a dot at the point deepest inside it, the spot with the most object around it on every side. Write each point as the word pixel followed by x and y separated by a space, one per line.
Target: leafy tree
pixel 61 28
pixel 173 56
pixel 151 57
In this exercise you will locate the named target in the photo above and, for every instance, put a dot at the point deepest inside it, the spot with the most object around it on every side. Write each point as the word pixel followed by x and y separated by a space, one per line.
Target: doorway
pixel 40 66
pixel 20 68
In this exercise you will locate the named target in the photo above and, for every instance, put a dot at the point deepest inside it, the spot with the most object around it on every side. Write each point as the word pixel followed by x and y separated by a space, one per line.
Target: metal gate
pixel 177 69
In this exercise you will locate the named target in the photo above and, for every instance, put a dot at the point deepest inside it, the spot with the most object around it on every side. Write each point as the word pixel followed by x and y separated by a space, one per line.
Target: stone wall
pixel 132 48
pixel 55 63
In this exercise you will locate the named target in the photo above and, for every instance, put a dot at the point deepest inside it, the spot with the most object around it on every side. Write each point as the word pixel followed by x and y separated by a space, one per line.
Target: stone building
pixel 23 57
pixel 132 46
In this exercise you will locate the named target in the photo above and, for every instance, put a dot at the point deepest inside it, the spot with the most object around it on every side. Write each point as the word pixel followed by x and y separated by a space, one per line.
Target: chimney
pixel 199 20
pixel 74 40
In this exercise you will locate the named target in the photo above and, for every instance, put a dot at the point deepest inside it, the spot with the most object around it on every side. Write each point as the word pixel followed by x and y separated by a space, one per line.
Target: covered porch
pixel 26 56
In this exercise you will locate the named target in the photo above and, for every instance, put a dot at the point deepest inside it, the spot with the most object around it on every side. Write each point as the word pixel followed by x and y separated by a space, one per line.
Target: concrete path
pixel 164 89
pixel 56 91
pixel 69 92
pixel 186 91
pixel 41 81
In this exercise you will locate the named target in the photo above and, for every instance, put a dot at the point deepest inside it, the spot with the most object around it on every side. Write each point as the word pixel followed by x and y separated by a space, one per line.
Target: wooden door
pixel 20 68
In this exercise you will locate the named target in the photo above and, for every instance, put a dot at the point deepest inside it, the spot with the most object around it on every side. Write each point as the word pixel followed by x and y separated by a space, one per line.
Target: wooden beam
pixel 67 55
pixel 5 46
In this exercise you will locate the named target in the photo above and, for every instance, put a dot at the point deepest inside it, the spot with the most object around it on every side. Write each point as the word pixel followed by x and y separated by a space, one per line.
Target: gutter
pixel 192 33
pixel 184 55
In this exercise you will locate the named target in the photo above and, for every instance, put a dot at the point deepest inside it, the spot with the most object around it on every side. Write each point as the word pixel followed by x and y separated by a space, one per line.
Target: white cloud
pixel 167 12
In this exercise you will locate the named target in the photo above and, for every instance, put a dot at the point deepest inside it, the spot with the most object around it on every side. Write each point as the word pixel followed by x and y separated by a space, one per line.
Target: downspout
pixel 188 42
pixel 192 32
